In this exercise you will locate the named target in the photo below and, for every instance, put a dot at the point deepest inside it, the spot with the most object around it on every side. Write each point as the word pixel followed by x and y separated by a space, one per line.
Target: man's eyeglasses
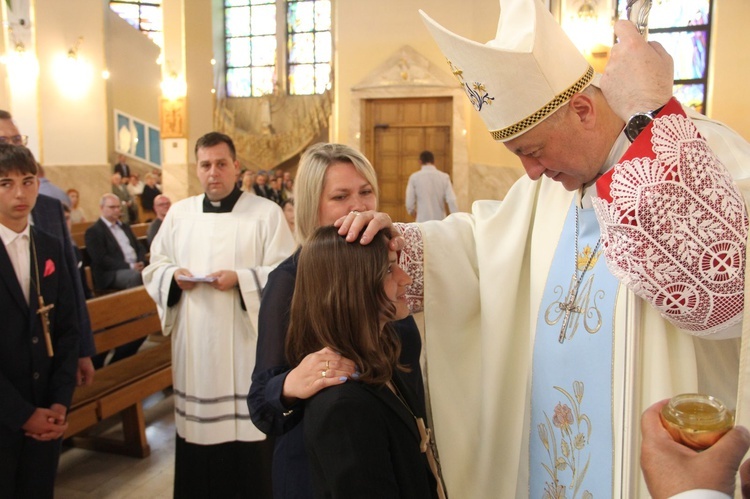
pixel 16 140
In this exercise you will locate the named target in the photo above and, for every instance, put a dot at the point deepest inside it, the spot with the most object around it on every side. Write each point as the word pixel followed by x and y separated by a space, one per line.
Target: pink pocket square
pixel 49 267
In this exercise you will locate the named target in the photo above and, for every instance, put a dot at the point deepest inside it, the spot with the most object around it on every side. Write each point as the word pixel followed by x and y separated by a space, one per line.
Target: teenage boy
pixel 38 336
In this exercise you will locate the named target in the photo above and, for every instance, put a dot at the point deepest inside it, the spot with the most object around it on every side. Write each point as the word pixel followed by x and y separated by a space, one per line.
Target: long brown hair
pixel 339 301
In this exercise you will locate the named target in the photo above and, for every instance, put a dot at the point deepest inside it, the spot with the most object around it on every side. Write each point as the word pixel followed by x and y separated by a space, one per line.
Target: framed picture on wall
pixel 138 139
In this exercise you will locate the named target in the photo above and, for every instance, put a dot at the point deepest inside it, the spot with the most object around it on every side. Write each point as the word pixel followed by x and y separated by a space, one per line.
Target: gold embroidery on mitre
pixel 476 92
pixel 458 73
pixel 549 108
pixel 582 259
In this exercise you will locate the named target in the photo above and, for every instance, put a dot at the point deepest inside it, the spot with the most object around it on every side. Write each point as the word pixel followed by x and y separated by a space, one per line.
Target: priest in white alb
pixel 209 263
pixel 612 276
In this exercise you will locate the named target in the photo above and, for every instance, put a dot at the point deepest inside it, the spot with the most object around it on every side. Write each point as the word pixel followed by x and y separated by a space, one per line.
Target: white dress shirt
pixel 131 256
pixel 427 192
pixel 17 246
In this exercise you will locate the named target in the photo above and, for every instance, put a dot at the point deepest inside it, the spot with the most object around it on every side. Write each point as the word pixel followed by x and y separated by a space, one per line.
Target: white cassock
pixel 484 276
pixel 213 341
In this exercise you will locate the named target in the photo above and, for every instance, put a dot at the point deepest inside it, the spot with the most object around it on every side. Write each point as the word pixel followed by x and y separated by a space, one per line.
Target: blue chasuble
pixel 571 444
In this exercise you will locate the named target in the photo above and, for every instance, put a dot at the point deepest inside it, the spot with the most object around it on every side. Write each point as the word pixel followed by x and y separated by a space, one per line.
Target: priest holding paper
pixel 612 276
pixel 209 263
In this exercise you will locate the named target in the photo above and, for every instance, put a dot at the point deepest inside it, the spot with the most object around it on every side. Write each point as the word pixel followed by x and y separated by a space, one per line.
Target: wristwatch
pixel 638 122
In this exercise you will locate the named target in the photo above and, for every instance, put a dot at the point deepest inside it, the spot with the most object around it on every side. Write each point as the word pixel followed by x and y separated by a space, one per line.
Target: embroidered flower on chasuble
pixel 572 428
pixel 587 258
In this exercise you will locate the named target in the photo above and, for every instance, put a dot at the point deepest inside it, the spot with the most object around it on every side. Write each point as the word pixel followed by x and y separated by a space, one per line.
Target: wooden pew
pixel 120 388
pixel 140 231
pixel 80 227
pixel 78 232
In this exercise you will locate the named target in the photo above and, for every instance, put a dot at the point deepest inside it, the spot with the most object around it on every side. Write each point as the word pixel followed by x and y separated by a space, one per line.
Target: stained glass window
pixel 309 46
pixel 144 15
pixel 250 33
pixel 683 28
pixel 257 59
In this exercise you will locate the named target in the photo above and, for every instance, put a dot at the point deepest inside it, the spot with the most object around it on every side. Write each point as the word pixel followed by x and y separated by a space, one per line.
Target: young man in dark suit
pixel 38 336
pixel 48 215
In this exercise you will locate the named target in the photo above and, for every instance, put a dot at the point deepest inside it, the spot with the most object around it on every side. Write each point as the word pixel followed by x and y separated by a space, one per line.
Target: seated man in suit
pixel 117 258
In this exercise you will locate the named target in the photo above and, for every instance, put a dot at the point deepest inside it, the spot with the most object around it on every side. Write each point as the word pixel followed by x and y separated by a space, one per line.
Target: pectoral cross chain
pixel 570 307
pixel 43 312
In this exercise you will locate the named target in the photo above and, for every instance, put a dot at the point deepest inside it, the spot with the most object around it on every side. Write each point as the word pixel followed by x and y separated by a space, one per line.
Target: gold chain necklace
pixel 427 443
pixel 43 310
pixel 570 306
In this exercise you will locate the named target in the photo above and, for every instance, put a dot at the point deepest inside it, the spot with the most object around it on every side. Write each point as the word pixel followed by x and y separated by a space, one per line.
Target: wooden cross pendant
pixel 43 312
pixel 570 307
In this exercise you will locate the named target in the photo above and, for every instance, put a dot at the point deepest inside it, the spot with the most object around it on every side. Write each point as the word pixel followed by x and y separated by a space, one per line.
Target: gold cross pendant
pixel 43 312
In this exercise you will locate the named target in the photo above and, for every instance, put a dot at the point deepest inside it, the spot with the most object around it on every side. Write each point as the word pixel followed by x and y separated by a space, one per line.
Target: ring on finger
pixel 354 212
pixel 323 373
pixel 328 364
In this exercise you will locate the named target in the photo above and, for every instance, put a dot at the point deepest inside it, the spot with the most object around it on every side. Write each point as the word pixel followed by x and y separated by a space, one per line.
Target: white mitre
pixel 525 74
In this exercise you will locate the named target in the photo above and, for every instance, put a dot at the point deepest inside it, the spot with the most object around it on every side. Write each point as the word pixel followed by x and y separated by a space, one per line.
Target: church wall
pixel 73 128
pixel 133 85
pixel 198 71
pixel 729 101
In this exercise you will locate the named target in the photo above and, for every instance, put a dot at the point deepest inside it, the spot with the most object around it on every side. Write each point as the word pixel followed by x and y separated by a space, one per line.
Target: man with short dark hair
pixel 429 191
pixel 38 336
pixel 209 263
pixel 48 215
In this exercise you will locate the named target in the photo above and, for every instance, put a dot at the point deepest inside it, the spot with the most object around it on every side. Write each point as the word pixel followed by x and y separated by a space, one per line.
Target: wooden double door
pixel 395 132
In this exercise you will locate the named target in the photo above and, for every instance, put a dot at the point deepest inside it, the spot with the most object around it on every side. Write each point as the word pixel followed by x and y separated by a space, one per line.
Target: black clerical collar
pixel 226 205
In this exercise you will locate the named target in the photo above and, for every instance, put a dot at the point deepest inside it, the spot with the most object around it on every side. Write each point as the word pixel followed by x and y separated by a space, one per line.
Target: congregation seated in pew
pixel 117 260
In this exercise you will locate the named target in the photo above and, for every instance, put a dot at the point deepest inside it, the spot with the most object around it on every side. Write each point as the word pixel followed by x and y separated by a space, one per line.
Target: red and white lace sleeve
pixel 411 259
pixel 674 226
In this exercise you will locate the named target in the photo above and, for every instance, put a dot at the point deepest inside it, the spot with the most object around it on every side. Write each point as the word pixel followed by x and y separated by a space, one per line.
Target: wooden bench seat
pixel 120 388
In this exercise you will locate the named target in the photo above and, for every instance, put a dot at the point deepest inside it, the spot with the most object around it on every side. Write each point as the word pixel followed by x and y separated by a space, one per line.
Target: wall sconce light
pixel 173 87
pixel 22 67
pixel 73 73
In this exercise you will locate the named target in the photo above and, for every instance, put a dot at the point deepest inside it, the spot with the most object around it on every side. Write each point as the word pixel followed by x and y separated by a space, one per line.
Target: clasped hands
pixel 46 424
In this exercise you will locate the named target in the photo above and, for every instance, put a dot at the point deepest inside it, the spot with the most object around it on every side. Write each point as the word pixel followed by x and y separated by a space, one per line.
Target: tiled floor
pixel 84 474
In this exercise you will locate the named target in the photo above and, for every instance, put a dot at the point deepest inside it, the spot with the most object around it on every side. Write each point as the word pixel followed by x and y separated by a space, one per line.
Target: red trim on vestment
pixel 641 148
